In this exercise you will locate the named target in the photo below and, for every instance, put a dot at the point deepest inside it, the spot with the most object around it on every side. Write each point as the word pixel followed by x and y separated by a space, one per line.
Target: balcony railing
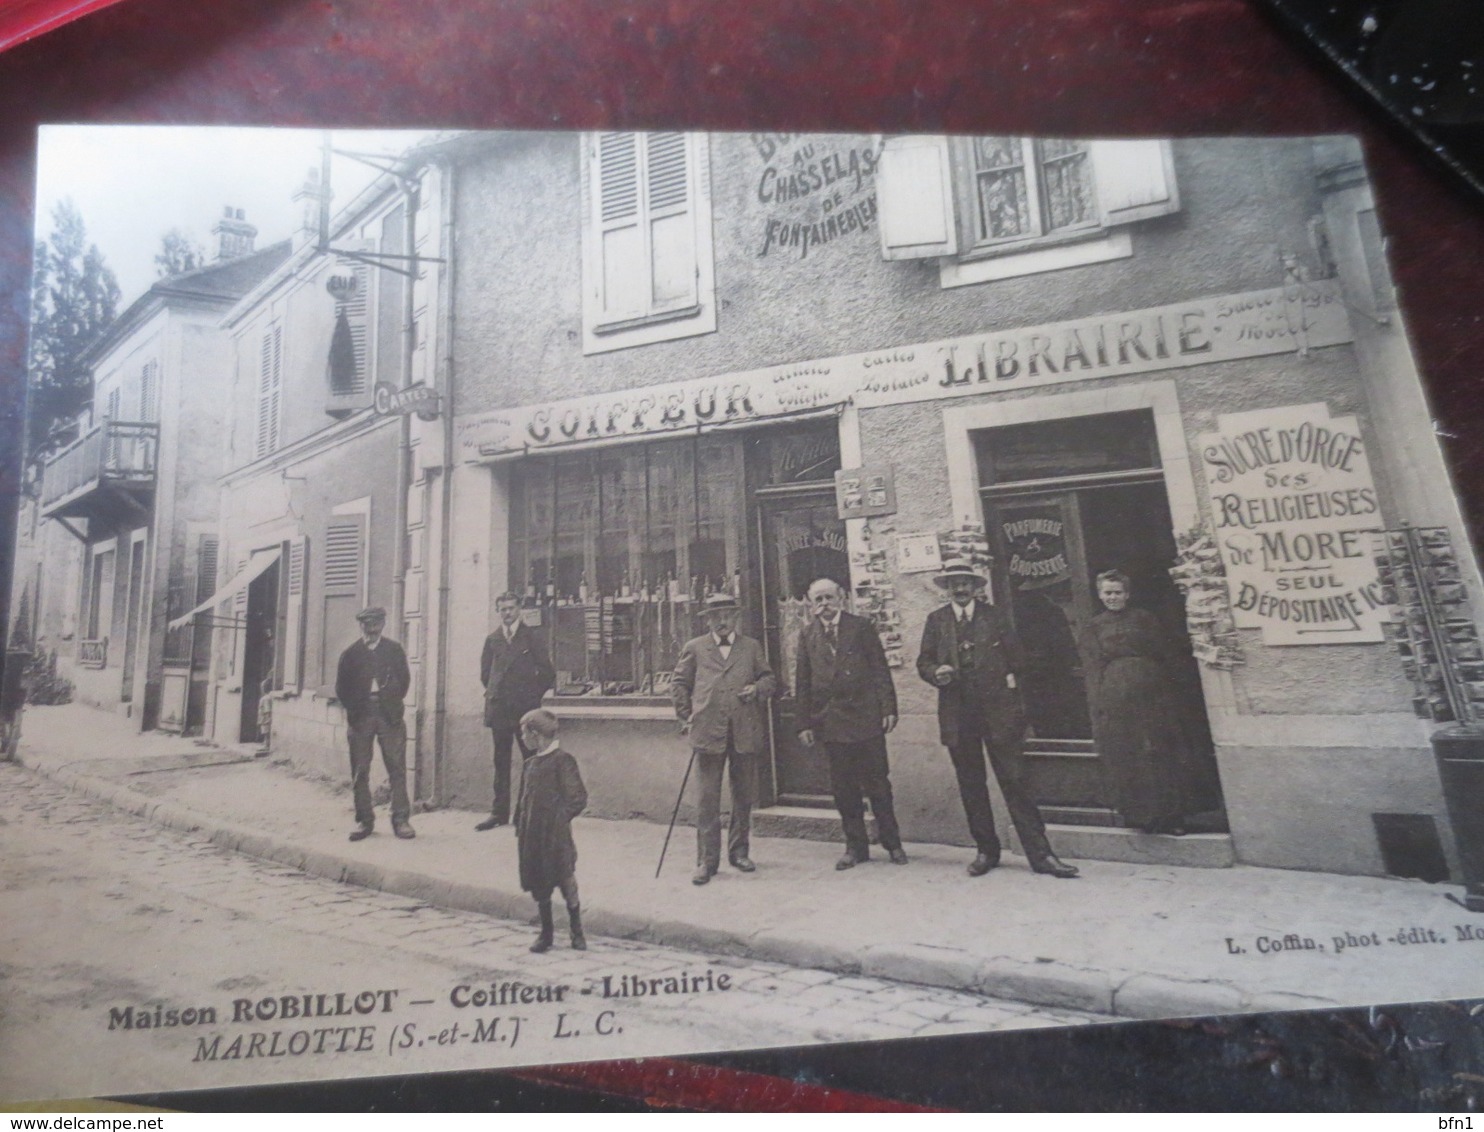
pixel 122 453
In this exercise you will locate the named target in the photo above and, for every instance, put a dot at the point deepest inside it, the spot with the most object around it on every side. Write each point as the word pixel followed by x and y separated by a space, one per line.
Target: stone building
pixel 136 498
pixel 657 366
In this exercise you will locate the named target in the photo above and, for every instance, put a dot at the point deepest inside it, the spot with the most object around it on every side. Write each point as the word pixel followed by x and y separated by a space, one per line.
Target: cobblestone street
pixel 104 911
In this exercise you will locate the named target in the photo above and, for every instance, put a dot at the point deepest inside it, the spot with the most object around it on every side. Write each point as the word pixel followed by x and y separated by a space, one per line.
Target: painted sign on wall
pixel 816 189
pixel 1293 504
pixel 1292 319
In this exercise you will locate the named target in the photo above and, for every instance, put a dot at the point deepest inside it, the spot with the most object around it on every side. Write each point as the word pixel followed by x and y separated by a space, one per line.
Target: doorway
pixel 1063 501
pixel 260 648
pixel 802 540
pixel 131 616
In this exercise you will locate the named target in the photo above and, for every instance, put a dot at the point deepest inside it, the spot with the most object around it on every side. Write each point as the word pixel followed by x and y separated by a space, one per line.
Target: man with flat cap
pixel 721 687
pixel 971 655
pixel 371 683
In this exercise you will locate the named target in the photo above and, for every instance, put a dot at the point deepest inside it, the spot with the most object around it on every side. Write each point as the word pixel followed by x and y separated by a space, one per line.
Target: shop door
pixel 1050 546
pixel 802 540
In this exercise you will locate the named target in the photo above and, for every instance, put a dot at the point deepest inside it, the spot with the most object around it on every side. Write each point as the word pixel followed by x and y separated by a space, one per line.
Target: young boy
pixel 551 795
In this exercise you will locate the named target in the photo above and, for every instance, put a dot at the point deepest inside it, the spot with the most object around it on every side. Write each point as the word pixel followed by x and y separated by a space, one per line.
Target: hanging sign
pixel 420 399
pixel 1293 505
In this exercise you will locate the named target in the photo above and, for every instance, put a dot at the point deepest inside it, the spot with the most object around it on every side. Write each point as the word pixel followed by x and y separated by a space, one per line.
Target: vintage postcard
pixel 488 599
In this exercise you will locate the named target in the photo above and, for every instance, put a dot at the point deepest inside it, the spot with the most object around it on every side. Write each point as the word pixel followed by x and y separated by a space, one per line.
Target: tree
pixel 178 253
pixel 74 296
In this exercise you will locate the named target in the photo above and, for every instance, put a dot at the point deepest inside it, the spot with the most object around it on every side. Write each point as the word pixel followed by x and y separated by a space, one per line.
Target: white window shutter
pixel 270 391
pixel 149 392
pixel 914 195
pixel 621 278
pixel 294 606
pixel 1135 180
pixel 672 229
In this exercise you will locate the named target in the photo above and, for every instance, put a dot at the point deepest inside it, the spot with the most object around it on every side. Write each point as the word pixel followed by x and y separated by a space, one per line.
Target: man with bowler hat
pixel 971 655
pixel 721 687
pixel 370 684
pixel 847 704
pixel 516 674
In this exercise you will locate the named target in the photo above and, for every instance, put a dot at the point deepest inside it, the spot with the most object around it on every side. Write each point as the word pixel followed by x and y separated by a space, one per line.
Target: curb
pixel 1125 994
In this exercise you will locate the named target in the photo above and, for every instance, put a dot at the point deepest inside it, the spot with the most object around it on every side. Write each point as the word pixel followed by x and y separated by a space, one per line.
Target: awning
pixel 260 561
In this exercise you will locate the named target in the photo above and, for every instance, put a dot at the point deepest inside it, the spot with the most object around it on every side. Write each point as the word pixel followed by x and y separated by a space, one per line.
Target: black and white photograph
pixel 487 599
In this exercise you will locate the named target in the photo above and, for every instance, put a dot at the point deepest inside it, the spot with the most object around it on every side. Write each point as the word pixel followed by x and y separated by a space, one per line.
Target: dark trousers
pixel 392 734
pixel 859 771
pixel 505 735
pixel 742 769
pixel 1002 740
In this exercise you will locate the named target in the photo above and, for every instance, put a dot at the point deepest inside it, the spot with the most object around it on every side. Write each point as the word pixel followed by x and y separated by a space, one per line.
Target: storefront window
pixel 614 551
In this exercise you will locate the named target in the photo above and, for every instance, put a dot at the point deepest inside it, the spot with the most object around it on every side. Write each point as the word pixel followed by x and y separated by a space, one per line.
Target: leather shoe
pixel 702 875
pixel 742 864
pixel 403 830
pixel 982 863
pixel 1052 865
pixel 361 832
pixel 899 856
pixel 848 861
pixel 490 822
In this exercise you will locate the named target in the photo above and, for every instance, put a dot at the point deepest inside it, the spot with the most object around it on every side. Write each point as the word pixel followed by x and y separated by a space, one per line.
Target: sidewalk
pixel 1135 941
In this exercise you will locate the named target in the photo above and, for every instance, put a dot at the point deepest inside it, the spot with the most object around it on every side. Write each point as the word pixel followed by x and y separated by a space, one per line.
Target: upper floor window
pixel 996 207
pixel 269 391
pixel 349 365
pixel 648 271
pixel 1023 188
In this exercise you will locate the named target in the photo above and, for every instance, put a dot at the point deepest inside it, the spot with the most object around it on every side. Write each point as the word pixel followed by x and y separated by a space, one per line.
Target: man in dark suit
pixel 516 674
pixel 721 686
pixel 970 654
pixel 370 684
pixel 848 704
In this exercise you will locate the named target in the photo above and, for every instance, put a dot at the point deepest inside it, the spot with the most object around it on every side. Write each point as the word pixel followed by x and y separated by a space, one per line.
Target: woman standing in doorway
pixel 1131 664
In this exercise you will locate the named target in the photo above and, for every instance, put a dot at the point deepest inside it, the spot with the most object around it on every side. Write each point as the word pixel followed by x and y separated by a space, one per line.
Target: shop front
pixel 614 552
pixel 1210 455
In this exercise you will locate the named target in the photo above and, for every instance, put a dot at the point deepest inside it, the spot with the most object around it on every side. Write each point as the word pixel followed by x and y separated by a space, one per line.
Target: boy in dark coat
pixel 551 795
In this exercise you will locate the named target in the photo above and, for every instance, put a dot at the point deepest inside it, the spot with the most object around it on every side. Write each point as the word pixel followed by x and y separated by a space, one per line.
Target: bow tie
pixel 724 640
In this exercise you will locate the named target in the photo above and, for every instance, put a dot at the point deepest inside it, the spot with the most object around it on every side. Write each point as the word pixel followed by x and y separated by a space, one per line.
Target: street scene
pixel 703 591
pixel 172 918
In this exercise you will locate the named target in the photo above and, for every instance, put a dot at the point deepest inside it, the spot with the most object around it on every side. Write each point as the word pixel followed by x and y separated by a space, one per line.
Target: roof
pixel 217 285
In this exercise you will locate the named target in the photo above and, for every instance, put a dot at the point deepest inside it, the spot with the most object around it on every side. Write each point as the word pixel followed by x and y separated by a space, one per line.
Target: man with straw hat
pixel 970 654
pixel 721 686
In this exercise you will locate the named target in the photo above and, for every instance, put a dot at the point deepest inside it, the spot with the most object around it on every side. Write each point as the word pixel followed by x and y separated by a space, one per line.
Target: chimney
pixel 308 198
pixel 234 235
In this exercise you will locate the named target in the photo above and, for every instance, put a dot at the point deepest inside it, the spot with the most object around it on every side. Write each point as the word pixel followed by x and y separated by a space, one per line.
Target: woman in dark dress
pixel 551 795
pixel 1131 667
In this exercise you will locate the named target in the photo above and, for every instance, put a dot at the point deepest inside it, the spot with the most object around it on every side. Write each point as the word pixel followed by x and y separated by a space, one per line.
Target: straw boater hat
pixel 720 603
pixel 958 568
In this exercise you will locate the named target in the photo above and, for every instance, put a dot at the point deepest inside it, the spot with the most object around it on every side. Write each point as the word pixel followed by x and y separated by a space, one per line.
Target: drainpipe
pixel 404 433
pixel 445 532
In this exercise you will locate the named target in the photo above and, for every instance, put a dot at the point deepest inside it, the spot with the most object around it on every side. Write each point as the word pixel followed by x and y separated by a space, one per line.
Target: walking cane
pixel 683 783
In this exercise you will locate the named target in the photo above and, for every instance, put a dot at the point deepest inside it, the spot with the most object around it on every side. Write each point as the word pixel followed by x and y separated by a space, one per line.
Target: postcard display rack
pixel 1442 655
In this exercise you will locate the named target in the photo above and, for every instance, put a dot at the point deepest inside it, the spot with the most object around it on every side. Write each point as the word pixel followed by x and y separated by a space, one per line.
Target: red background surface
pixel 1193 67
